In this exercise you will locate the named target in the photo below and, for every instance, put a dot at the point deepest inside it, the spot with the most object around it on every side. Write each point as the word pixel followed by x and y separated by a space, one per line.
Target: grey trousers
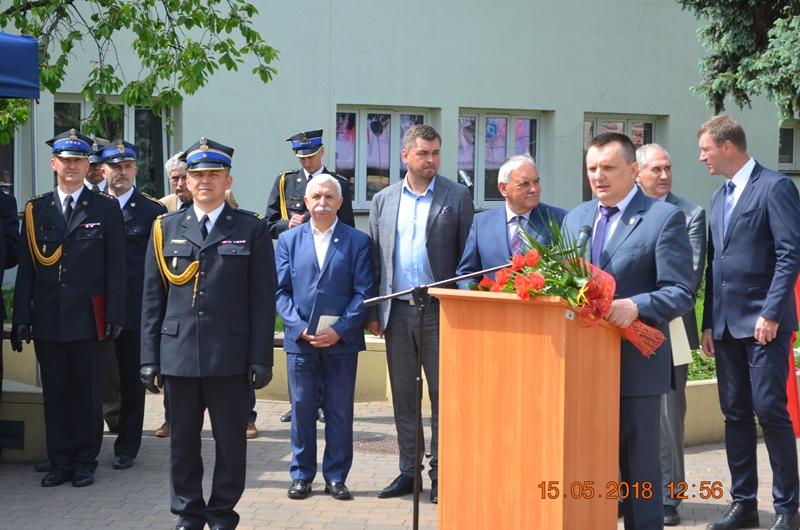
pixel 673 413
pixel 402 346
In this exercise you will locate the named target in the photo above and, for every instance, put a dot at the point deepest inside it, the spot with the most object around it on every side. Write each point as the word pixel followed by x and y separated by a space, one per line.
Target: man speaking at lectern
pixel 643 243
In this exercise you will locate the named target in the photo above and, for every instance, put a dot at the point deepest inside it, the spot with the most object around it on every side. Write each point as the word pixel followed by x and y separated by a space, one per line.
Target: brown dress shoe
pixel 251 432
pixel 163 431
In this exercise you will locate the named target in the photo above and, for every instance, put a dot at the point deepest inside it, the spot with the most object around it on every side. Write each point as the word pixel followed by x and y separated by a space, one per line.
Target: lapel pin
pixel 336 240
pixel 52 203
pixel 228 217
pixel 84 203
pixel 133 205
pixel 633 220
pixel 298 179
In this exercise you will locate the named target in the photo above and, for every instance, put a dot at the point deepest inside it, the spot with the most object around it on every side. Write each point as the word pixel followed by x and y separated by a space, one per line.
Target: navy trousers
pixel 72 387
pixel 639 464
pixel 752 379
pixel 337 372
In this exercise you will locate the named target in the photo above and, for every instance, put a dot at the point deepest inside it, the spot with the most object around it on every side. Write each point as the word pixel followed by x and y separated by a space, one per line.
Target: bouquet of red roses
pixel 560 270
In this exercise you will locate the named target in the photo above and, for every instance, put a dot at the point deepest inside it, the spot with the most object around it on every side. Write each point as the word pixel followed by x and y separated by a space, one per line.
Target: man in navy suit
pixel 643 243
pixel 748 317
pixel 493 238
pixel 330 257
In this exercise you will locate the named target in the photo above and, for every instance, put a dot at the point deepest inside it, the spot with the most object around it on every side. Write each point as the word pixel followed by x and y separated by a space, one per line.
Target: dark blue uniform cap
pixel 117 152
pixel 70 144
pixel 207 154
pixel 97 147
pixel 306 143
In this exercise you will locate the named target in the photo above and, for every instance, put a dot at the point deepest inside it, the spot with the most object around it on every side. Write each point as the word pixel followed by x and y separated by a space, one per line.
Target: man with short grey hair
pixel 419 227
pixel 495 234
pixel 655 180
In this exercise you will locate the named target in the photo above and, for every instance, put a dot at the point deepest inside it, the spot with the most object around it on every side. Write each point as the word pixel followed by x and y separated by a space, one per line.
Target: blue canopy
pixel 19 66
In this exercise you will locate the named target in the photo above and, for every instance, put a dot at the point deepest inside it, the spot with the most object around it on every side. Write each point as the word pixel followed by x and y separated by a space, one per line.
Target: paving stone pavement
pixel 138 497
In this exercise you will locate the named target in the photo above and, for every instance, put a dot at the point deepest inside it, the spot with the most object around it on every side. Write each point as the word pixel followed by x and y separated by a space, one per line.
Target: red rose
pixel 485 284
pixel 536 281
pixel 503 275
pixel 517 262
pixel 532 258
pixel 522 286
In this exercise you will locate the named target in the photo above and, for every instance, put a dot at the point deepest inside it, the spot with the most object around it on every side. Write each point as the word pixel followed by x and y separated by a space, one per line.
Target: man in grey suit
pixel 643 243
pixel 655 180
pixel 418 227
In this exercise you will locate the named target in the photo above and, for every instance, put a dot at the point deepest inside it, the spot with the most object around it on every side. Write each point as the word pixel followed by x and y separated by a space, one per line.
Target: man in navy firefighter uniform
pixel 208 315
pixel 70 297
pixel 138 213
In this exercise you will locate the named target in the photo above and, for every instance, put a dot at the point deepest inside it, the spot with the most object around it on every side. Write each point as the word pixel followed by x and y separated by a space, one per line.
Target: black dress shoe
pixel 435 491
pixel 122 462
pixel 320 415
pixel 786 521
pixel 338 491
pixel 42 467
pixel 55 478
pixel 671 517
pixel 736 516
pixel 299 489
pixel 400 486
pixel 286 418
pixel 82 478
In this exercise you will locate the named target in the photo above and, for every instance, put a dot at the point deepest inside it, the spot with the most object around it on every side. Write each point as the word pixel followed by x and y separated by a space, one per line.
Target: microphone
pixel 583 237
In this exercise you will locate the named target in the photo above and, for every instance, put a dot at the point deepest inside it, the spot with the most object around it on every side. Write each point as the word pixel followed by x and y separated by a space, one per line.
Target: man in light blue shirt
pixel 418 227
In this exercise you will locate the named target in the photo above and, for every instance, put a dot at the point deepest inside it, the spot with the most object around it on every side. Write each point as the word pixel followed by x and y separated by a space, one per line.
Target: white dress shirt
pixel 213 215
pixel 322 240
pixel 740 179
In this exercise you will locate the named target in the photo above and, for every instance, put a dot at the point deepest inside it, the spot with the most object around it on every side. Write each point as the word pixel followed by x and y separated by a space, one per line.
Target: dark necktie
pixel 95 188
pixel 203 229
pixel 600 232
pixel 516 244
pixel 68 208
pixel 728 206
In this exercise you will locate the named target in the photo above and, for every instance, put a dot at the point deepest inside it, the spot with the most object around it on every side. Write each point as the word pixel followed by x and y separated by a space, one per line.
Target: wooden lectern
pixel 528 415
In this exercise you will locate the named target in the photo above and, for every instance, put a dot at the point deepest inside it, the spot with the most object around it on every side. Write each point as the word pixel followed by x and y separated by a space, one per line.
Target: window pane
pixel 588 134
pixel 786 147
pixel 641 133
pixel 346 148
pixel 613 127
pixel 7 168
pixel 495 154
pixel 525 137
pixel 406 122
pixel 466 150
pixel 112 126
pixel 379 136
pixel 66 116
pixel 150 146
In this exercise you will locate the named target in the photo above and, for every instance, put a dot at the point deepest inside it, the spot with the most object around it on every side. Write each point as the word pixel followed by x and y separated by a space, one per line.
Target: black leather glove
pixel 19 333
pixel 259 375
pixel 150 376
pixel 112 331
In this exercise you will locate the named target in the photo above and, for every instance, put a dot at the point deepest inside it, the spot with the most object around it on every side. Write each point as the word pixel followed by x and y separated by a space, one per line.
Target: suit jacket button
pixel 200 313
pixel 724 283
pixel 202 274
pixel 202 254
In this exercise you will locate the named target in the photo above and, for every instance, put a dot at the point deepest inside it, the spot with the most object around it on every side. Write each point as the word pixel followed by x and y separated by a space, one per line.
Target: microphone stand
pixel 421 301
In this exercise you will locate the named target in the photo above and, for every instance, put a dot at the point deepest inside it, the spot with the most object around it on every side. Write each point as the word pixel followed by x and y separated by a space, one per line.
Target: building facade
pixel 495 78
